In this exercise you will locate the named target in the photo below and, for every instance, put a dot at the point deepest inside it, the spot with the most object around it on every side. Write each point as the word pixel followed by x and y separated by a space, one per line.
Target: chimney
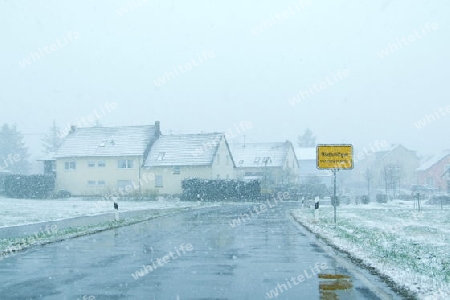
pixel 72 128
pixel 157 129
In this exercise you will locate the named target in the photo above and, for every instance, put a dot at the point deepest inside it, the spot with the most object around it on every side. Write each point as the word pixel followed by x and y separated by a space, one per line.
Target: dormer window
pixel 161 156
pixel 267 160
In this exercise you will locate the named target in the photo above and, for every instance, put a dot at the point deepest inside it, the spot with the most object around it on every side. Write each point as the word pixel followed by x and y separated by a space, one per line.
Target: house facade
pixel 394 169
pixel 173 158
pixel 274 164
pixel 435 172
pixel 307 161
pixel 103 160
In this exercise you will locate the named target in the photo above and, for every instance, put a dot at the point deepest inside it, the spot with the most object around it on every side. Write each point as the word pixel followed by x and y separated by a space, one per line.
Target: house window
pixel 266 160
pixel 218 176
pixel 101 164
pixel 430 181
pixel 158 181
pixel 91 164
pixel 218 159
pixel 70 165
pixel 125 164
pixel 176 170
pixel 227 162
pixel 91 182
pixel 101 182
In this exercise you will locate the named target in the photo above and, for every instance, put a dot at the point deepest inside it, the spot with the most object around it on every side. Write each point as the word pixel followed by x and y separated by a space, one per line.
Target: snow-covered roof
pixel 184 150
pixel 47 157
pixel 250 155
pixel 107 141
pixel 385 153
pixel 434 160
pixel 305 153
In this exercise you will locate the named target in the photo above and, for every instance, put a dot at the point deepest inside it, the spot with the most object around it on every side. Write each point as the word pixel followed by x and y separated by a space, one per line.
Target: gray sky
pixel 115 55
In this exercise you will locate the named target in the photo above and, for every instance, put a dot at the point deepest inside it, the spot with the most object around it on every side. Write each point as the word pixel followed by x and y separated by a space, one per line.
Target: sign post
pixel 334 157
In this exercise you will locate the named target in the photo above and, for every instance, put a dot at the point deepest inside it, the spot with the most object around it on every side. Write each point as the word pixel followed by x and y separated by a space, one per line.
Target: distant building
pixel 435 172
pixel 173 158
pixel 307 161
pixel 394 169
pixel 274 164
pixel 103 160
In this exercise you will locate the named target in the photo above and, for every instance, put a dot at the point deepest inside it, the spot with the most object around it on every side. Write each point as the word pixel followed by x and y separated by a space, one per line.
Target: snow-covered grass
pixel 52 234
pixel 15 212
pixel 410 248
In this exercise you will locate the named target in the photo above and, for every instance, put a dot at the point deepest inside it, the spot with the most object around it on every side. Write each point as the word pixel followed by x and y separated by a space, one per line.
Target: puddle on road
pixel 330 284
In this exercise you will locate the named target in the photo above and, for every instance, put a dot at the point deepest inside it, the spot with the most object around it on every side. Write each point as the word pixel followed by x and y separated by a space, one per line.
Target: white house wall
pixel 222 167
pixel 171 183
pixel 77 181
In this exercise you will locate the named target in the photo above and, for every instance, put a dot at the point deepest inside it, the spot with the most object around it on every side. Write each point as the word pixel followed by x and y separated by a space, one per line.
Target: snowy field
pixel 410 248
pixel 14 212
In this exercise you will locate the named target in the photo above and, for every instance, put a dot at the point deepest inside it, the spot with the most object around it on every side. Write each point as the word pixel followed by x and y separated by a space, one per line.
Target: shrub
pixel 437 200
pixel 382 198
pixel 335 201
pixel 31 186
pixel 365 199
pixel 405 197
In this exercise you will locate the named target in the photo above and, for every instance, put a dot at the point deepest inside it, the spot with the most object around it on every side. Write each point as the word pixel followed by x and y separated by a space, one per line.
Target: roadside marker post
pixel 316 208
pixel 116 207
pixel 334 157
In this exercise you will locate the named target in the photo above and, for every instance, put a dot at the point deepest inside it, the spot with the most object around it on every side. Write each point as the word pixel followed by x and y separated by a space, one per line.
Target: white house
pixel 275 164
pixel 307 161
pixel 173 158
pixel 101 160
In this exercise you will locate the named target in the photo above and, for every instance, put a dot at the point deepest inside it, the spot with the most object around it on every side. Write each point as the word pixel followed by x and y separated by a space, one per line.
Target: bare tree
pixel 391 176
pixel 52 141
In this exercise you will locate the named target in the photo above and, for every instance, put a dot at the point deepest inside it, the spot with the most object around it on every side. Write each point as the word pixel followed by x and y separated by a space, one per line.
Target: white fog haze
pixel 117 51
pixel 204 149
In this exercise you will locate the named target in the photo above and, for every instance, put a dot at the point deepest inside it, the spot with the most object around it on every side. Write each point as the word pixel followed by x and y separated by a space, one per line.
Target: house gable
pixel 101 160
pixel 173 158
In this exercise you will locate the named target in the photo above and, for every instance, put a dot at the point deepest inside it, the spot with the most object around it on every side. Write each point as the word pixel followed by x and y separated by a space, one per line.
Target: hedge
pixel 31 186
pixel 220 190
pixel 381 198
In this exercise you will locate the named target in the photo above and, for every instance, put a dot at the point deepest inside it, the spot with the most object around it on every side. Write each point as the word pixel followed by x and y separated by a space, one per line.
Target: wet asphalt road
pixel 191 255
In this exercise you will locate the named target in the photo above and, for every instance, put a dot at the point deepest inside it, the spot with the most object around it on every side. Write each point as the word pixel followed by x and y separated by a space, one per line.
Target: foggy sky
pixel 97 54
